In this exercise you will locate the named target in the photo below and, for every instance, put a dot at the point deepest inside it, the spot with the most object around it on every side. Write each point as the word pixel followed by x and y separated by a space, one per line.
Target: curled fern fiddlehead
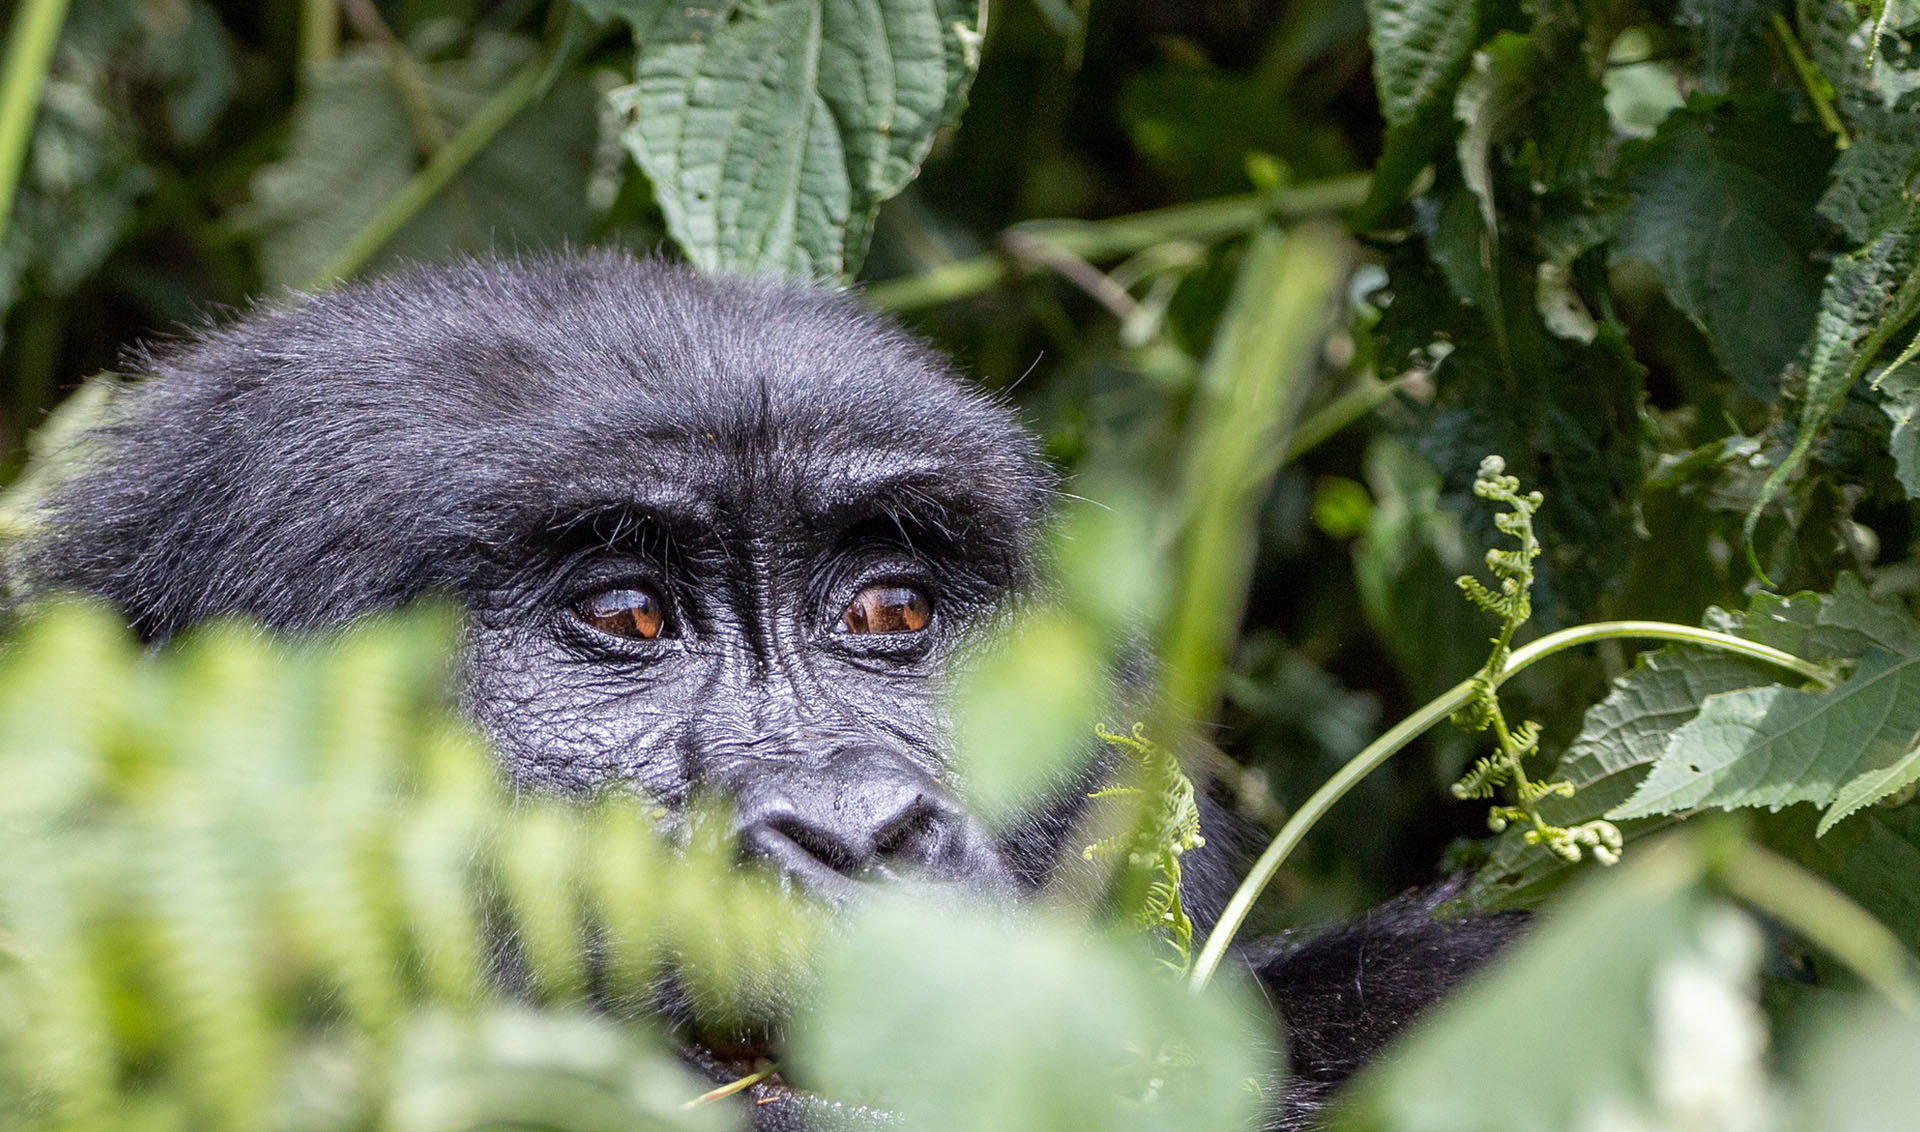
pixel 1168 826
pixel 1512 603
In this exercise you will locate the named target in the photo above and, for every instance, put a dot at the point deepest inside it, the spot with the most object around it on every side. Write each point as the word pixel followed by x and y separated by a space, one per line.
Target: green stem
pixel 1819 90
pixel 1454 698
pixel 1356 401
pixel 29 54
pixel 1826 917
pixel 319 33
pixel 457 154
pixel 1202 221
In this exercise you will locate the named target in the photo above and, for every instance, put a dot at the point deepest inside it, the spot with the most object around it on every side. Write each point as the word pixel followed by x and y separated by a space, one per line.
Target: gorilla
pixel 711 535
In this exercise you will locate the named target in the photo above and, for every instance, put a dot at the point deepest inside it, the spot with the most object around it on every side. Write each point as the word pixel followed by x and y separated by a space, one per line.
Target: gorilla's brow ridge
pixel 931 498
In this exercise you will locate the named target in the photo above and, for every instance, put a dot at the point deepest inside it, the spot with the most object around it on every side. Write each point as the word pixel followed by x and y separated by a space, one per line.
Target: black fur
pixel 527 436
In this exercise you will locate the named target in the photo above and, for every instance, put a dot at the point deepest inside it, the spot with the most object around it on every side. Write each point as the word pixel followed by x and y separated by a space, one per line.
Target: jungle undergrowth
pixel 1474 703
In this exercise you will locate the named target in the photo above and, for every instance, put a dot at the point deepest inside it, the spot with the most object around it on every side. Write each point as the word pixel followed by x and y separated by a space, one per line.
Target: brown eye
pixel 635 613
pixel 887 609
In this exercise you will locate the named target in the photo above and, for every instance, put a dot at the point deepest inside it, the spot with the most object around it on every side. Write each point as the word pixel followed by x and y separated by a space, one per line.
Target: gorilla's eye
pixel 887 609
pixel 630 612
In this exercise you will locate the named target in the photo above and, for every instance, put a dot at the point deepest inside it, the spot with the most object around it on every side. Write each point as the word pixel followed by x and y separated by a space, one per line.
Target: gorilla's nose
pixel 864 814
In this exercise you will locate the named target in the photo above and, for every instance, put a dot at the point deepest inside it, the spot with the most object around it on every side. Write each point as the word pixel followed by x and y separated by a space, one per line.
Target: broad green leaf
pixel 555 1071
pixel 1857 1069
pixel 1564 414
pixel 972 1020
pixel 1871 178
pixel 1631 1007
pixel 1632 728
pixel 1025 714
pixel 772 130
pixel 1899 388
pixel 1420 50
pixel 1774 746
pixel 1872 857
pixel 1723 212
pixel 354 144
pixel 1837 34
pixel 1869 294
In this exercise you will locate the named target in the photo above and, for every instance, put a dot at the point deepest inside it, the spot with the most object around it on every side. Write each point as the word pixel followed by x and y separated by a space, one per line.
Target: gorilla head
pixel 713 537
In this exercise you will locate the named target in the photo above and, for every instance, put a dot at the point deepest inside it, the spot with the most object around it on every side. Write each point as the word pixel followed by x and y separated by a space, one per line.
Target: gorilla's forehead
pixel 590 383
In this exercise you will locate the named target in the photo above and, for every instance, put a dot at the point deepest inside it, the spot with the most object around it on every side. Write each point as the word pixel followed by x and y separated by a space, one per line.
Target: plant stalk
pixel 1410 728
pixel 1824 916
pixel 1203 221
pixel 466 144
pixel 36 31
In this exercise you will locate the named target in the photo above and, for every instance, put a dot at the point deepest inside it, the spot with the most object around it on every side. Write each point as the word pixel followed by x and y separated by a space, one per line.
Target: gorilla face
pixel 759 603
pixel 715 537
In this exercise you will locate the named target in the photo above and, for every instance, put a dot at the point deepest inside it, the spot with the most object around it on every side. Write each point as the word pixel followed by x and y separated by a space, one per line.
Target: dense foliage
pixel 1664 259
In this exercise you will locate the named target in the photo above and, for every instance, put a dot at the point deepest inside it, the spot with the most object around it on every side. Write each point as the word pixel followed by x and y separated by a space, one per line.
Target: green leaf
pixel 1774 746
pixel 773 129
pixel 1637 983
pixel 1872 177
pixel 1633 727
pixel 1025 714
pixel 557 1071
pixel 1564 414
pixel 971 1020
pixel 1869 295
pixel 1872 857
pixel 1899 388
pixel 1858 1069
pixel 1723 212
pixel 354 144
pixel 1420 51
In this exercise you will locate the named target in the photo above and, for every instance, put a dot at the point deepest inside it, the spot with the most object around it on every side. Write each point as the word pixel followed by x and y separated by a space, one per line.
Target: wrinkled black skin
pixel 520 435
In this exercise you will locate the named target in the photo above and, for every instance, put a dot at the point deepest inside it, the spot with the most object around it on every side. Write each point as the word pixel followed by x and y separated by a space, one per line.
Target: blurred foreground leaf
pixel 970 1020
pixel 1631 1007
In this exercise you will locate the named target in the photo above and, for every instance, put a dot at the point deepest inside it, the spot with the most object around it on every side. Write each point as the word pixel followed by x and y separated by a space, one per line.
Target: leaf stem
pixel 1819 89
pixel 466 144
pixel 1824 916
pixel 1411 728
pixel 319 34
pixel 1118 236
pixel 36 30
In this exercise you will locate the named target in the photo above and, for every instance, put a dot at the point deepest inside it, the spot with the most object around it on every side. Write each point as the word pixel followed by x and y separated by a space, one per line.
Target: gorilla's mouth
pixel 751 1073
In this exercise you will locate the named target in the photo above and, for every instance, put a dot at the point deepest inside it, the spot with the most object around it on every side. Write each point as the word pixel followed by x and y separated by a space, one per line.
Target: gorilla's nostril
pixel 823 845
pixel 913 837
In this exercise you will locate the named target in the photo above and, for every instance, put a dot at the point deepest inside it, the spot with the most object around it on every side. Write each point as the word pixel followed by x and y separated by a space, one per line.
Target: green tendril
pixel 1512 603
